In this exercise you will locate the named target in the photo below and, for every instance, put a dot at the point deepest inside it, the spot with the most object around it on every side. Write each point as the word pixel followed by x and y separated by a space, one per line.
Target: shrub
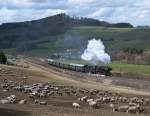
pixel 3 58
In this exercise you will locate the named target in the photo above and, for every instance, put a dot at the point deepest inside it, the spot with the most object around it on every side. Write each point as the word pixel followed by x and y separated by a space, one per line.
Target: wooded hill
pixel 25 36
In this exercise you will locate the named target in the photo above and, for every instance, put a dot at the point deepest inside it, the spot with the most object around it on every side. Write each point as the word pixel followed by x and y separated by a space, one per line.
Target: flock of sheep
pixel 83 97
pixel 131 105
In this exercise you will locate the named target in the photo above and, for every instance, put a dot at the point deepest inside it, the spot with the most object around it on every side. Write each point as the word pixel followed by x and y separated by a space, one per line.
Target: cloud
pixel 136 12
pixel 25 10
pixel 102 12
pixel 26 15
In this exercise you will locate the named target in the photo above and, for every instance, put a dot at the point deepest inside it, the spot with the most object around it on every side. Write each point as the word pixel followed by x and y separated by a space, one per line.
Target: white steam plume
pixel 95 52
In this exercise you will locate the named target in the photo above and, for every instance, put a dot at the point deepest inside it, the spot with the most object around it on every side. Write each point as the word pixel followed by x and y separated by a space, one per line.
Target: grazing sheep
pixel 13 96
pixel 9 98
pixel 5 90
pixel 5 85
pixel 76 94
pixel 93 104
pixel 50 93
pixel 133 109
pixel 133 100
pixel 18 88
pixel 43 103
pixel 102 75
pixel 140 101
pixel 79 99
pixel 36 101
pixel 56 89
pixel 39 90
pixel 113 99
pixel 42 95
pixel 132 104
pixel 24 101
pixel 146 102
pixel 31 96
pixel 84 98
pixel 89 100
pixel 76 105
pixel 123 108
pixel 112 106
pixel 98 99
pixel 106 99
pixel 124 99
pixel 5 101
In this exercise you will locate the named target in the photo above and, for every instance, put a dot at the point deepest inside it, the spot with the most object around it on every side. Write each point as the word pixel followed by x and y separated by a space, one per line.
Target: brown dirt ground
pixel 61 106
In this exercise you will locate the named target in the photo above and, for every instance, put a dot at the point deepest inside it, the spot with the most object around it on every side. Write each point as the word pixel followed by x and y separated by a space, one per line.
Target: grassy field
pixel 10 51
pixel 131 68
pixel 116 38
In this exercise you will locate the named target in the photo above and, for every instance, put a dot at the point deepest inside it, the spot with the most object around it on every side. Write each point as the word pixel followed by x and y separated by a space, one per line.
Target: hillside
pixel 61 33
pixel 115 39
pixel 27 36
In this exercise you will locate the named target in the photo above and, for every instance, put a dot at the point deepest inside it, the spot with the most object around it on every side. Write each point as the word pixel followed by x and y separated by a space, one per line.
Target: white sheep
pixel 84 98
pixel 13 96
pixel 93 104
pixel 98 99
pixel 123 108
pixel 24 101
pixel 43 103
pixel 102 75
pixel 134 109
pixel 132 104
pixel 111 106
pixel 76 105
pixel 89 100
pixel 4 101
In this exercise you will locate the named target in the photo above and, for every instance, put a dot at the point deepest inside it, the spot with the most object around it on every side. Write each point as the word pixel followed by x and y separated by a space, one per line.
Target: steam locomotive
pixel 103 70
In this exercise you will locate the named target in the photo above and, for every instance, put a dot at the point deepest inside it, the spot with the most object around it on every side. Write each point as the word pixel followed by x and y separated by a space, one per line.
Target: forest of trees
pixel 133 56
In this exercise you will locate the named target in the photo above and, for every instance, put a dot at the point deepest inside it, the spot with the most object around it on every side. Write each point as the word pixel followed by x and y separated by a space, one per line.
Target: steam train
pixel 103 70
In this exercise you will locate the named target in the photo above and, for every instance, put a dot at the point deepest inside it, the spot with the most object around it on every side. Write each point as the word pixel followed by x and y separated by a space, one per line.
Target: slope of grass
pixel 113 38
pixel 131 68
pixel 10 50
pixel 116 38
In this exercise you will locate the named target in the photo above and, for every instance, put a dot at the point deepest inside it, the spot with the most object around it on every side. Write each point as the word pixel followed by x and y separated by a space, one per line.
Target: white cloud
pixel 6 15
pixel 80 2
pixel 136 12
pixel 102 12
pixel 26 15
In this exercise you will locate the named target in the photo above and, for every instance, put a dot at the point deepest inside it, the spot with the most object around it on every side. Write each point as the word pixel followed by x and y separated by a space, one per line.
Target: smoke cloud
pixel 95 52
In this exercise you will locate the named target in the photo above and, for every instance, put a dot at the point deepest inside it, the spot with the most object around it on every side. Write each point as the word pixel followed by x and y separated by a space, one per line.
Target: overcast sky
pixel 137 12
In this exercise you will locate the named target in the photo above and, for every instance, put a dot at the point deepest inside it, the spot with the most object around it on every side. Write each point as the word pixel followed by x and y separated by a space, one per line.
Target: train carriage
pixel 103 70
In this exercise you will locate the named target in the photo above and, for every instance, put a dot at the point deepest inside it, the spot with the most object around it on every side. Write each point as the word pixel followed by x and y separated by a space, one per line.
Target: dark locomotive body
pixel 103 70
